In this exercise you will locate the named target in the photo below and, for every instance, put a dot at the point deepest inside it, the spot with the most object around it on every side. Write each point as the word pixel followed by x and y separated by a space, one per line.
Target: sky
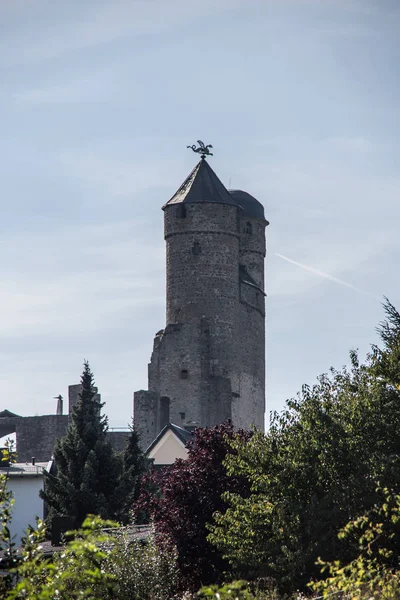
pixel 98 101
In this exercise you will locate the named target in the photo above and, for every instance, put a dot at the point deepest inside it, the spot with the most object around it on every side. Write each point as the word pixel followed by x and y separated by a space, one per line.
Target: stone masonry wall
pixel 145 408
pixel 208 363
pixel 36 436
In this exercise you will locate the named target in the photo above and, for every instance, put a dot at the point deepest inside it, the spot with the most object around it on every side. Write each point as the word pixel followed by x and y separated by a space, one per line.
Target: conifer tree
pixel 88 471
pixel 134 466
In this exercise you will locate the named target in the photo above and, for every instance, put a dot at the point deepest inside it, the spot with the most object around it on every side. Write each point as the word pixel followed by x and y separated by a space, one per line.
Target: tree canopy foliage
pixel 312 504
pixel 322 463
pixel 374 573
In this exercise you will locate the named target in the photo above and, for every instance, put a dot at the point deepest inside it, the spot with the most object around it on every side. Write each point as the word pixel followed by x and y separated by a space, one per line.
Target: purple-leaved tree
pixel 182 499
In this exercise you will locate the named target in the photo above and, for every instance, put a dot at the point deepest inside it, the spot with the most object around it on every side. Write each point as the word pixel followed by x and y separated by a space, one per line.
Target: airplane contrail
pixel 324 275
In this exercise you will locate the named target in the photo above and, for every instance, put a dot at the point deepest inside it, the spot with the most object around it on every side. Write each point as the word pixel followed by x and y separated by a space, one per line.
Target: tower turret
pixel 199 370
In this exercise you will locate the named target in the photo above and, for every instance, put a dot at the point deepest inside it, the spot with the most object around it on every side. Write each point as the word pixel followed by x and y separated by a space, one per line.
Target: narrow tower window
pixel 184 374
pixel 181 211
pixel 164 411
pixel 196 248
pixel 248 228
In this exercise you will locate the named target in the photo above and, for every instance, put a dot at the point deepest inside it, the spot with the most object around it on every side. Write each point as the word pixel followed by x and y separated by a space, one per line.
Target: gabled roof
pixel 202 185
pixel 182 434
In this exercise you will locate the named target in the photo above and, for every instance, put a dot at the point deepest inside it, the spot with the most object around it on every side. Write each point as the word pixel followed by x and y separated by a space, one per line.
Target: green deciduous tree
pixel 142 571
pixel 100 562
pixel 374 573
pixel 76 573
pixel 88 471
pixel 317 468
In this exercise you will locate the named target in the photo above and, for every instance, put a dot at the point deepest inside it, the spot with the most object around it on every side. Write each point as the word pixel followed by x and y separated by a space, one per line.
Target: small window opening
pixel 184 374
pixel 182 415
pixel 196 248
pixel 164 411
pixel 181 211
pixel 248 228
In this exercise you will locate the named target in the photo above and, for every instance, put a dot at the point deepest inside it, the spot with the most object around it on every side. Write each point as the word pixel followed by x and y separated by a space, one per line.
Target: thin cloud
pixel 324 275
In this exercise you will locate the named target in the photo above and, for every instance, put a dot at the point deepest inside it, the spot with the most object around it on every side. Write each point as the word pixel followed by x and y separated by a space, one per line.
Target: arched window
pixel 164 411
pixel 196 248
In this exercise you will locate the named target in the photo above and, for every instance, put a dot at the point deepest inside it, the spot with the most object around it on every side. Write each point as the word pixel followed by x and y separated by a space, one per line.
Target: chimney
pixel 59 399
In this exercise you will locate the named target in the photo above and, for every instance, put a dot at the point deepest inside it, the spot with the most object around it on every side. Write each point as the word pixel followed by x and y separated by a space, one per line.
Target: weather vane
pixel 202 149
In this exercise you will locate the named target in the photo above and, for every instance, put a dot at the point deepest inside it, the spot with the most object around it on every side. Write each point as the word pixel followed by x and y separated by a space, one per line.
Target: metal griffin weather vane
pixel 203 150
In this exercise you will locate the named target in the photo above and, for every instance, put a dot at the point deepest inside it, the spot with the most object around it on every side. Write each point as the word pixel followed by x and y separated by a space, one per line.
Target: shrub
pixel 145 571
pixel 374 573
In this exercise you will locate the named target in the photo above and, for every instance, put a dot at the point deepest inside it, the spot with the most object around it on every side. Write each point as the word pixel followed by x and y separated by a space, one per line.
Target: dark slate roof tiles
pixel 202 185
pixel 251 207
pixel 182 434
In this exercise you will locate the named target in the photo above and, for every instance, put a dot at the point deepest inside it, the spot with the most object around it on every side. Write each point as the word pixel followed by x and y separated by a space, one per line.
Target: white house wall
pixel 27 503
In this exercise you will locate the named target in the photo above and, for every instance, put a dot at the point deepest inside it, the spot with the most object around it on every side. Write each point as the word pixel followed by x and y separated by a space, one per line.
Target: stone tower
pixel 208 364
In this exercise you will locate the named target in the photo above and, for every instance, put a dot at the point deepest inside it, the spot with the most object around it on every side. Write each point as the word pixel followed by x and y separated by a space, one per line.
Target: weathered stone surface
pixel 208 364
pixel 118 440
pixel 145 416
pixel 36 436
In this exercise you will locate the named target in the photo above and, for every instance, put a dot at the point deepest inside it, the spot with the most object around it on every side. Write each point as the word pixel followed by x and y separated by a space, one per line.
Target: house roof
pixel 23 469
pixel 202 185
pixel 182 434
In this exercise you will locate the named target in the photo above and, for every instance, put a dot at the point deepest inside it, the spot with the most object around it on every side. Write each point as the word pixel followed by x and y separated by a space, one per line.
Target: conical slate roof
pixel 202 185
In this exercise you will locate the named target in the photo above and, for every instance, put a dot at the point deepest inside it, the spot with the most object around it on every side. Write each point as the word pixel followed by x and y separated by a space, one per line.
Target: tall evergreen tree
pixel 134 466
pixel 88 471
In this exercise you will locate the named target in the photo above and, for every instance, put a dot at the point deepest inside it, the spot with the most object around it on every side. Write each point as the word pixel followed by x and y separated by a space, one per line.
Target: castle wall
pixel 8 425
pixel 118 440
pixel 253 247
pixel 36 436
pixel 249 404
pixel 202 273
pixel 202 260
pixel 145 406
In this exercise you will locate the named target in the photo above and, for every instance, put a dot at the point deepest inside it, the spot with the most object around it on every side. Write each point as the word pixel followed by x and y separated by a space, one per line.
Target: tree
pixel 76 573
pixel 374 573
pixel 99 562
pixel 190 492
pixel 88 471
pixel 318 467
pixel 134 466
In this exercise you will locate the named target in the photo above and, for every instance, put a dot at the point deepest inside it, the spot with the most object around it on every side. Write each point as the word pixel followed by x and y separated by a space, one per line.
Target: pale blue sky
pixel 98 101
